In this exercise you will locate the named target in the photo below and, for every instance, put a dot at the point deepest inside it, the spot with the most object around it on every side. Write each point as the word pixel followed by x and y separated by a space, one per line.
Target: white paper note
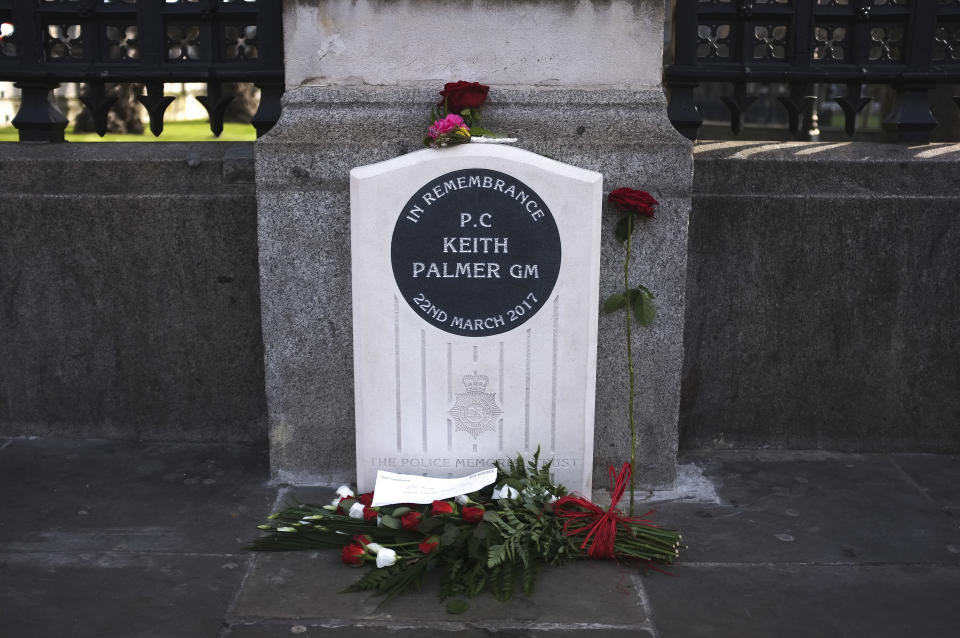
pixel 393 488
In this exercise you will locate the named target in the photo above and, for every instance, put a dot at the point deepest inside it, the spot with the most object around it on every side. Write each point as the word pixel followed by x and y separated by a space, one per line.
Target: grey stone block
pixel 302 184
pixel 130 292
pixel 822 299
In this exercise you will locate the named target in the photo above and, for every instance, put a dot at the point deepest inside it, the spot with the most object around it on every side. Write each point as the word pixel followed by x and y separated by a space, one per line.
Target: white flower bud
pixel 356 511
pixel 386 557
pixel 374 547
pixel 463 499
pixel 286 529
pixel 343 491
pixel 505 492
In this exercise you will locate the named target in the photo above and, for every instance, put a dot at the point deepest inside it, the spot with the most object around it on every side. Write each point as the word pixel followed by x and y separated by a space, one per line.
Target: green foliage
pixel 178 131
pixel 457 606
pixel 641 304
pixel 614 303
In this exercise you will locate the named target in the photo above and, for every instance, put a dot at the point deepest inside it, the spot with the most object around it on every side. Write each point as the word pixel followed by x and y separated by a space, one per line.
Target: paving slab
pixel 63 495
pixel 936 475
pixel 720 601
pixel 303 588
pixel 812 508
pixel 100 595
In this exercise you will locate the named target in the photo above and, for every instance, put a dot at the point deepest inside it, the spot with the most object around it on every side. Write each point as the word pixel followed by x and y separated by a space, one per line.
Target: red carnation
pixel 429 544
pixel 353 554
pixel 441 507
pixel 370 514
pixel 462 95
pixel 366 499
pixel 629 200
pixel 472 514
pixel 411 520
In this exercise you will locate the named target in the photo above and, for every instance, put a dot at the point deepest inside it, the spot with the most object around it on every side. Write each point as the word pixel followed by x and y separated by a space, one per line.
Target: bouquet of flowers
pixel 492 539
pixel 456 119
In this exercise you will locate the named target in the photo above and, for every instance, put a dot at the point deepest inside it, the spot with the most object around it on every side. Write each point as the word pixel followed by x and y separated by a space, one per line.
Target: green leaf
pixel 391 522
pixel 450 533
pixel 427 525
pixel 623 225
pixel 480 531
pixel 613 303
pixel 641 302
pixel 479 130
pixel 491 516
pixel 457 606
pixel 400 511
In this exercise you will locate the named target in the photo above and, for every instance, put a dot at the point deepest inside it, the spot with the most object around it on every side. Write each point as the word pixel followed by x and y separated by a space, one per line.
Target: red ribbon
pixel 600 525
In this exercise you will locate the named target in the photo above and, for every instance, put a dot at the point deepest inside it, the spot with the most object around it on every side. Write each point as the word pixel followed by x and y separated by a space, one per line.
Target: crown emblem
pixel 475 411
pixel 475 382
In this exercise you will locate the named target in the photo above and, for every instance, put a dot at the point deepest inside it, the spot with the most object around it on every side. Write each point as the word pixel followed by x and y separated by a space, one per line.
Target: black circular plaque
pixel 476 252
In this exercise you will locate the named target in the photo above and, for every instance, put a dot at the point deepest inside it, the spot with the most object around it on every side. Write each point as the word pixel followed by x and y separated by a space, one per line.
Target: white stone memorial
pixel 475 306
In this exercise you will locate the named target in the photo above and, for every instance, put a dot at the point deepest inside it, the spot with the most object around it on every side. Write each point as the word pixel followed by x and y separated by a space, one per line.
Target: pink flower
pixel 449 124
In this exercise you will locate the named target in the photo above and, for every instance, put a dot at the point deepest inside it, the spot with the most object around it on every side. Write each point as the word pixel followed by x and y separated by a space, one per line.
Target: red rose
pixel 441 507
pixel 629 200
pixel 429 544
pixel 472 514
pixel 353 554
pixel 411 520
pixel 362 539
pixel 370 514
pixel 366 499
pixel 463 95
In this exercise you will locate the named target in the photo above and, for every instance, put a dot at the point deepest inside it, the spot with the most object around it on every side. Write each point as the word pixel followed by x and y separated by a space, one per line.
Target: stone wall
pixel 821 311
pixel 129 296
pixel 822 298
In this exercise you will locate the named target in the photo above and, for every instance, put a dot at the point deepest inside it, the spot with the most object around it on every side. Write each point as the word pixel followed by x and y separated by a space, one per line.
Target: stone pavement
pixel 121 539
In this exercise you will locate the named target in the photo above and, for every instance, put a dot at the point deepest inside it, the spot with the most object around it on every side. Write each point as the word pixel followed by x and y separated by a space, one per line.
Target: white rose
pixel 343 492
pixel 463 499
pixel 356 511
pixel 505 492
pixel 386 557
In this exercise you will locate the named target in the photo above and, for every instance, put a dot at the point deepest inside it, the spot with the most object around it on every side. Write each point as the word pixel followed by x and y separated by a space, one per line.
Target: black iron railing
pixel 101 42
pixel 911 45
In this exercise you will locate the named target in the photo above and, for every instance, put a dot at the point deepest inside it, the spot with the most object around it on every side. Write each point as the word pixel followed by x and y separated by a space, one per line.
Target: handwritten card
pixel 392 488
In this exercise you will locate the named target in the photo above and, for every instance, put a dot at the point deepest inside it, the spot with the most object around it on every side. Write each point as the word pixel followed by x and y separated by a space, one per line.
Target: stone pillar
pixel 577 80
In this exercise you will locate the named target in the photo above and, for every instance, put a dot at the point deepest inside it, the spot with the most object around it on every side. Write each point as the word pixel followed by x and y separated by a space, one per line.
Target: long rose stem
pixel 626 296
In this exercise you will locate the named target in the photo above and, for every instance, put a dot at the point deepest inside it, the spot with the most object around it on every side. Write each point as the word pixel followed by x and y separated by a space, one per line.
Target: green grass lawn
pixel 188 131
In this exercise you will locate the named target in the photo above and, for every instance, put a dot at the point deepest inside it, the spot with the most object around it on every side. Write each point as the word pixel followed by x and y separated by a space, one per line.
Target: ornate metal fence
pixel 100 42
pixel 912 45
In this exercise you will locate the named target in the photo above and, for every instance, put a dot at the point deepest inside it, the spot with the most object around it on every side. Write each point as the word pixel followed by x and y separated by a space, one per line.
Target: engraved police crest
pixel 475 411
